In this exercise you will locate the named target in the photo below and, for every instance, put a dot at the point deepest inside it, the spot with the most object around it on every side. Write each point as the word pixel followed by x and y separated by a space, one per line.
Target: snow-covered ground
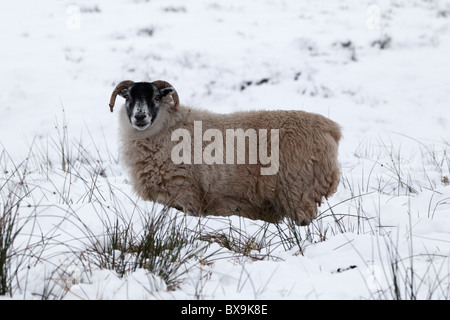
pixel 381 69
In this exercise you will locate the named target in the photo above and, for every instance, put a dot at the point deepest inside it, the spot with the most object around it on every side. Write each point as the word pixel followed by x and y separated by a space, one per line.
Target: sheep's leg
pixel 305 213
pixel 295 204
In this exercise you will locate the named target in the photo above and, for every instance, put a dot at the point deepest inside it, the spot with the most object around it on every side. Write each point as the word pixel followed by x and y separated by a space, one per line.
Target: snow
pixel 384 78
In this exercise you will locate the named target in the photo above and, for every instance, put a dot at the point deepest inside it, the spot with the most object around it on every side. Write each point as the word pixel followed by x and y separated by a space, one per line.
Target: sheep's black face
pixel 143 102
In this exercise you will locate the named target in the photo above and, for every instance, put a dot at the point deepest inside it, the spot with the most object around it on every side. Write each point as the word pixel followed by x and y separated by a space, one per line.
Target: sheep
pixel 196 177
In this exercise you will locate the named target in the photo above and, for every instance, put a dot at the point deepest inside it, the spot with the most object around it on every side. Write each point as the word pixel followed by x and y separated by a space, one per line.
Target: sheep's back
pixel 305 140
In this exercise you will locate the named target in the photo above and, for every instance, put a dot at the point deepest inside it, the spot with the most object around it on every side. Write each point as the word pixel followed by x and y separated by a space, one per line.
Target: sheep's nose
pixel 140 117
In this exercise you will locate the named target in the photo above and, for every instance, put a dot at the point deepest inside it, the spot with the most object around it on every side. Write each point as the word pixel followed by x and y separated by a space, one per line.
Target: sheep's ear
pixel 124 93
pixel 164 92
pixel 117 90
pixel 166 88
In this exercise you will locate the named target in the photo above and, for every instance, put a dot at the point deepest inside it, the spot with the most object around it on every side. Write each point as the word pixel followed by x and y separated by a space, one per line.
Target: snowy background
pixel 381 69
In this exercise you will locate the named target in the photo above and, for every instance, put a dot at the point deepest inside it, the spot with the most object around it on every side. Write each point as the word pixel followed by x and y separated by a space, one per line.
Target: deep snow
pixel 384 78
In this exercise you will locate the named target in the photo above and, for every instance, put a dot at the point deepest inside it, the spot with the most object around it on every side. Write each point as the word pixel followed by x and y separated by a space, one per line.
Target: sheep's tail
pixel 327 170
pixel 335 131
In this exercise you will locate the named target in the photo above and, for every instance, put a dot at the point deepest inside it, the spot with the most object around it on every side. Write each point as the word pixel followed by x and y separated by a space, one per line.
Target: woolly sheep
pixel 153 122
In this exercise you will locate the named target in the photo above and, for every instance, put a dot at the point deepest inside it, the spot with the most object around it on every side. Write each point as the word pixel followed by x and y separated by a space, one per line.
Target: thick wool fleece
pixel 308 166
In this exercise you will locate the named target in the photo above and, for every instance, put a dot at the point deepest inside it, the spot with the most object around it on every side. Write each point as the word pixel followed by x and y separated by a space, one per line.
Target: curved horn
pixel 122 85
pixel 161 84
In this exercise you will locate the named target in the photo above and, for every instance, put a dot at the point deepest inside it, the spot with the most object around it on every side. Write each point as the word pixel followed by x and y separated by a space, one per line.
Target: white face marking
pixel 141 117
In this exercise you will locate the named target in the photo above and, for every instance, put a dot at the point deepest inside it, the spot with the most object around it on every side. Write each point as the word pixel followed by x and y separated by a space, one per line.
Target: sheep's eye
pixel 158 97
pixel 126 97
